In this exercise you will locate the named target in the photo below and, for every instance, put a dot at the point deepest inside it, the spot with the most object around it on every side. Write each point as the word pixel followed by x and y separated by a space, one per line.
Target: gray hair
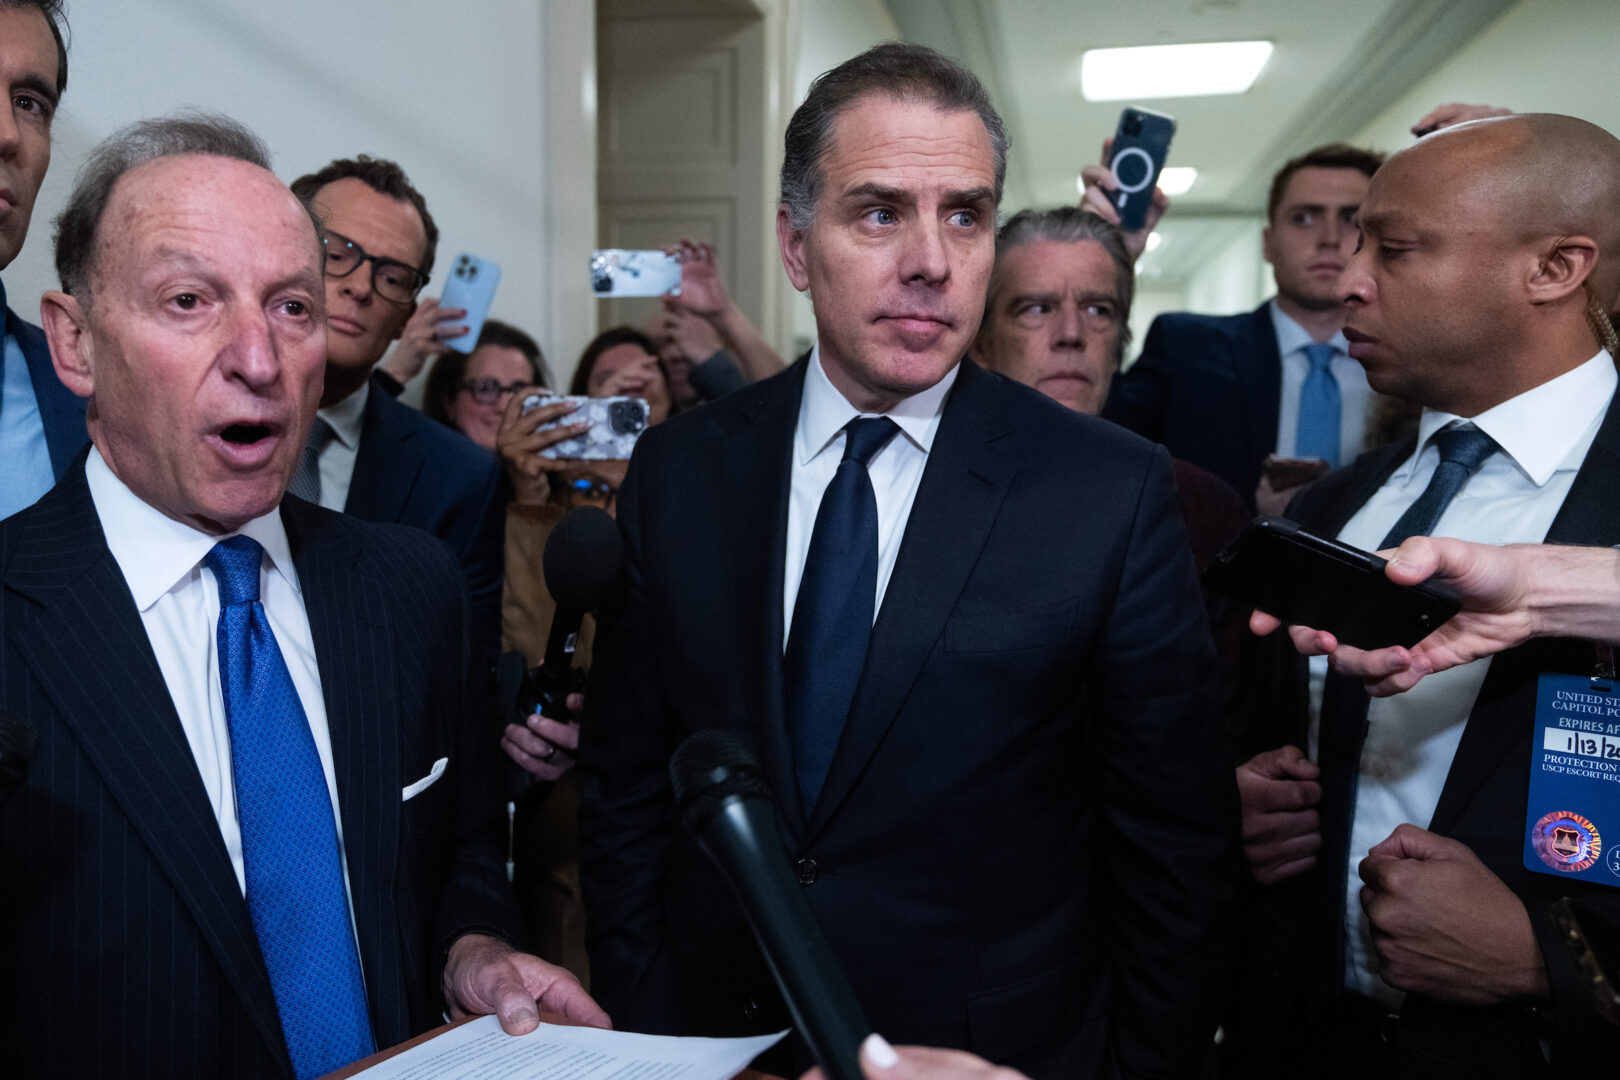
pixel 125 150
pixel 904 72
pixel 1072 225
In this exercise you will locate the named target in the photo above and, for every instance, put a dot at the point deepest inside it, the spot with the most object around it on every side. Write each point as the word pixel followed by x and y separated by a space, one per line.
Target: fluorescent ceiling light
pixel 1177 179
pixel 1154 240
pixel 1164 71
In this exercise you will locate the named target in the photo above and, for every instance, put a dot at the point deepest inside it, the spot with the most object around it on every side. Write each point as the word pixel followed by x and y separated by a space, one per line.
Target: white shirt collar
pixel 1292 337
pixel 348 416
pixel 824 411
pixel 156 552
pixel 1541 428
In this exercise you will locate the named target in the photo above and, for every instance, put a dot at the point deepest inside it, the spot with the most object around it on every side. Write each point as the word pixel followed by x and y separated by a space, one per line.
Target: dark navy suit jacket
pixel 1482 804
pixel 415 471
pixel 117 897
pixel 1209 388
pixel 61 412
pixel 1025 845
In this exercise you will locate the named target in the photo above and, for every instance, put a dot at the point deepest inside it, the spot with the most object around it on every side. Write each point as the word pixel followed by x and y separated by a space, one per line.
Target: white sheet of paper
pixel 480 1050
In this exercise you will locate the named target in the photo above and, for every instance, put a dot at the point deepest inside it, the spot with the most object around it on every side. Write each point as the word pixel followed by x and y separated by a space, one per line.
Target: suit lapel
pixel 957 500
pixel 354 652
pixel 1498 723
pixel 387 463
pixel 124 721
pixel 1261 376
pixel 757 464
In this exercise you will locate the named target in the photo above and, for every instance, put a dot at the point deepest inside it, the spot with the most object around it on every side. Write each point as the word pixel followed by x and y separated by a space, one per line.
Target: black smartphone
pixel 1141 143
pixel 1283 570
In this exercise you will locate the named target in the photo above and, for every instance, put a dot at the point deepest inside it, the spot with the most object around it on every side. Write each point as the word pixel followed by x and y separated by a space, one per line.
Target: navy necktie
pixel 832 615
pixel 1344 704
pixel 1317 435
pixel 295 890
pixel 1463 449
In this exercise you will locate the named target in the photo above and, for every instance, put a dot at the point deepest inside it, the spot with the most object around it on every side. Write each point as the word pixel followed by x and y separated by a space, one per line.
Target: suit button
pixel 808 872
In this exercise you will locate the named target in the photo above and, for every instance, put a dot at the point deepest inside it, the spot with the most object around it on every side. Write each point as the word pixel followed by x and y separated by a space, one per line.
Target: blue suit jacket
pixel 1025 843
pixel 413 470
pixel 117 888
pixel 61 412
pixel 1209 388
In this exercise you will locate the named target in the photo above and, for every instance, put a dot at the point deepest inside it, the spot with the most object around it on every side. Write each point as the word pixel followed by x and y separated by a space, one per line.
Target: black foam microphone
pixel 726 804
pixel 18 742
pixel 582 561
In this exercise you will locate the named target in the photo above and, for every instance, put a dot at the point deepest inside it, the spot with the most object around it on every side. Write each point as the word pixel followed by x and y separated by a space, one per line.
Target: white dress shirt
pixel 178 599
pixel 1544 435
pixel 1355 396
pixel 347 419
pixel 896 470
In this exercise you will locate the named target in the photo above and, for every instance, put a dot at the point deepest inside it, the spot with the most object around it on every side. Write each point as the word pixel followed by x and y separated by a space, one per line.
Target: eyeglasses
pixel 393 280
pixel 488 391
pixel 586 488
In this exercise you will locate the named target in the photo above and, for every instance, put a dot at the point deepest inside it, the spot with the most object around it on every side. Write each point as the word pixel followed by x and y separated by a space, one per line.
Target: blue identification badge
pixel 1573 824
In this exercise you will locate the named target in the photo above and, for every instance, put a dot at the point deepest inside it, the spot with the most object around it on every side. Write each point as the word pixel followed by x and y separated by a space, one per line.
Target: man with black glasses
pixel 367 454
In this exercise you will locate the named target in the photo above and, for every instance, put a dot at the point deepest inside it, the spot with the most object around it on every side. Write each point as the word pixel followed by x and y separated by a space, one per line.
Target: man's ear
pixel 1265 246
pixel 792 244
pixel 67 329
pixel 1561 272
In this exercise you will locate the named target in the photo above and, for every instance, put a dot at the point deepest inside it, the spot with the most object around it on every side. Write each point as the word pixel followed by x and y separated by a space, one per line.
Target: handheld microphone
pixel 18 741
pixel 581 563
pixel 725 802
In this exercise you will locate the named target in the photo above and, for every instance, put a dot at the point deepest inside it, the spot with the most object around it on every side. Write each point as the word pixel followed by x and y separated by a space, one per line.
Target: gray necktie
pixel 306 480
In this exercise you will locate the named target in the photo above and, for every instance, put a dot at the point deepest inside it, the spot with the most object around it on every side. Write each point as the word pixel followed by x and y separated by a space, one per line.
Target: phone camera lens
pixel 627 417
pixel 1133 125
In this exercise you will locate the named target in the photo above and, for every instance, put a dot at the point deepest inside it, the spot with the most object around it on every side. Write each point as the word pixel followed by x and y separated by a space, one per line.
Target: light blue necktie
pixel 295 888
pixel 1318 433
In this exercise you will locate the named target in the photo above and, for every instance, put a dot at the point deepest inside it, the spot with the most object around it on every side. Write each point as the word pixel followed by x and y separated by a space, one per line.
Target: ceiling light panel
pixel 1169 71
pixel 1177 179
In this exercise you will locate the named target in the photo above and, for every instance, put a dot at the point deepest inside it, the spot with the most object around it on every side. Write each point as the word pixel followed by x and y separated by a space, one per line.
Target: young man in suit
pixel 1390 834
pixel 257 839
pixel 1223 392
pixel 976 676
pixel 368 455
pixel 41 422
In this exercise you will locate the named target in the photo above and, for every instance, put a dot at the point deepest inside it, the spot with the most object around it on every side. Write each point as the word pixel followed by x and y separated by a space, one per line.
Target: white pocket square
pixel 413 790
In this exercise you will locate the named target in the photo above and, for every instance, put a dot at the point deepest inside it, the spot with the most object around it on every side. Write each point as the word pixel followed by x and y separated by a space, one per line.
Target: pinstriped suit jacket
pixel 125 944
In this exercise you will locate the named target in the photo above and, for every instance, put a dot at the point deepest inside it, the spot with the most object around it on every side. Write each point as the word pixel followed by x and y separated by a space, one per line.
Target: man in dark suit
pixel 1057 318
pixel 1421 945
pixel 1223 392
pixel 976 676
pixel 257 839
pixel 368 455
pixel 41 422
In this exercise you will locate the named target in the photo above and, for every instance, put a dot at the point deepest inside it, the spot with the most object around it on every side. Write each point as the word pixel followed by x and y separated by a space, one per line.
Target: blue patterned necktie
pixel 1318 433
pixel 832 615
pixel 1463 449
pixel 295 891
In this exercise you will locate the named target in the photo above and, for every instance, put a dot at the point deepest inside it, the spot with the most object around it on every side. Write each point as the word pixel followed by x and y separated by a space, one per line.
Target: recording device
pixel 1141 143
pixel 19 740
pixel 471 287
pixel 726 804
pixel 1285 571
pixel 616 424
pixel 581 563
pixel 1285 473
pixel 618 272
